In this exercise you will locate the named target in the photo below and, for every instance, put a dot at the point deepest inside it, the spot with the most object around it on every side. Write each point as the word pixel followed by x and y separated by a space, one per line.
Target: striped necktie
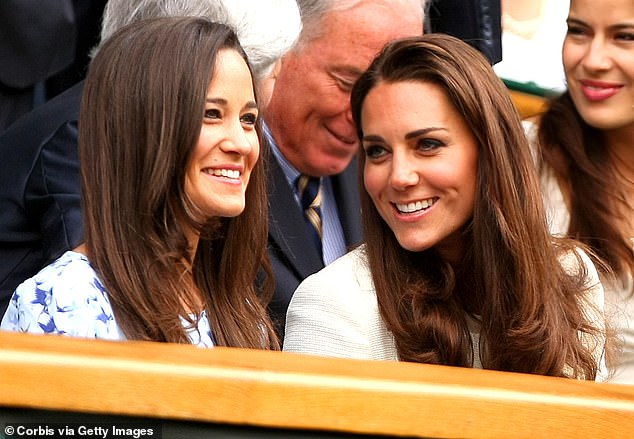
pixel 309 189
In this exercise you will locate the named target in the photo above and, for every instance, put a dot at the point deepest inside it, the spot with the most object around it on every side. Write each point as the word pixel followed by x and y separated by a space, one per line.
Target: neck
pixel 81 248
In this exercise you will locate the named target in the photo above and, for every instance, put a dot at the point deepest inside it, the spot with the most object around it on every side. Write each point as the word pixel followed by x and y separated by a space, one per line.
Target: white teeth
pixel 415 207
pixel 229 173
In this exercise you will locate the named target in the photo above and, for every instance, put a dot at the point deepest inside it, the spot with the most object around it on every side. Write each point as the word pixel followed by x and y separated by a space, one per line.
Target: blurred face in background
pixel 598 58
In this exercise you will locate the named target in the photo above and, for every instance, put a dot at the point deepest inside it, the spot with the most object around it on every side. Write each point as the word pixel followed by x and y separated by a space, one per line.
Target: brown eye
pixel 249 118
pixel 427 144
pixel 213 113
pixel 374 151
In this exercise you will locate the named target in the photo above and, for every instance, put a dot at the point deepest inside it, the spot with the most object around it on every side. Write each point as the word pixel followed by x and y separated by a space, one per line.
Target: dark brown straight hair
pixel 511 277
pixel 580 158
pixel 141 115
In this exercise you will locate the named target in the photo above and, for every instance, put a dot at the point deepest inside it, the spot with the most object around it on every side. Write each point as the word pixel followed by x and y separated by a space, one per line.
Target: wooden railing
pixel 292 394
pixel 528 104
pixel 529 98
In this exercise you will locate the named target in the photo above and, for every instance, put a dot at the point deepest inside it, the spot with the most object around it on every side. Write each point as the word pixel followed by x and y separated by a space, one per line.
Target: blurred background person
pixel 586 155
pixel 533 31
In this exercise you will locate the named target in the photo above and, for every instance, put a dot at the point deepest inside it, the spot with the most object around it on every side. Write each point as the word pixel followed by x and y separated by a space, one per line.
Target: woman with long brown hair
pixel 174 197
pixel 585 146
pixel 458 267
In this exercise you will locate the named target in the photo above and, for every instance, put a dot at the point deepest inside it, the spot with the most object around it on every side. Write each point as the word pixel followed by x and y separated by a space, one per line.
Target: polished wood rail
pixel 290 391
pixel 527 104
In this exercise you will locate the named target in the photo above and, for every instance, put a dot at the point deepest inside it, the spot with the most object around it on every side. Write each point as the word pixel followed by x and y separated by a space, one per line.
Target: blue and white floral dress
pixel 67 297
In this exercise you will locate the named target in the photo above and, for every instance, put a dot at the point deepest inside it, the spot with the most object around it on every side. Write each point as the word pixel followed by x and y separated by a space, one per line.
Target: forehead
pixel 354 36
pixel 404 103
pixel 610 12
pixel 231 73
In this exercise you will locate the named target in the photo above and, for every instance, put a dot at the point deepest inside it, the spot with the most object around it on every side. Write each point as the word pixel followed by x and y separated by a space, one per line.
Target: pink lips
pixel 598 90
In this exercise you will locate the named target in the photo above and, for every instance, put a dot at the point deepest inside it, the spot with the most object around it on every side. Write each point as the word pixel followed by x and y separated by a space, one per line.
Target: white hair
pixel 314 11
pixel 266 29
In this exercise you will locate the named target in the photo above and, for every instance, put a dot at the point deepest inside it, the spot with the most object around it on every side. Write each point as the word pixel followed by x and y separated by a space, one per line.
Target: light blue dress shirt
pixel 333 240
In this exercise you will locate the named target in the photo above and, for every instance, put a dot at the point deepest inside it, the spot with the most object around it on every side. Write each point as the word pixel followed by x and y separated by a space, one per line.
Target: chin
pixel 226 212
pixel 334 165
pixel 605 122
pixel 412 246
pixel 234 213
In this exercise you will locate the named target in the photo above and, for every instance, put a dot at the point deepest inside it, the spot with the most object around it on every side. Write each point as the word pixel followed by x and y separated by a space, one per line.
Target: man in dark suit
pixel 37 39
pixel 311 133
pixel 40 213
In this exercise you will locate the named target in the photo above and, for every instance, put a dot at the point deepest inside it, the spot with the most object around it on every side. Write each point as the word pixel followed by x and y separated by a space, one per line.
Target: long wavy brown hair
pixel 580 159
pixel 141 115
pixel 511 278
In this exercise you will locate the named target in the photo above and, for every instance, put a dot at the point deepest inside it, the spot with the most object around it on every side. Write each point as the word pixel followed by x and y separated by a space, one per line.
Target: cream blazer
pixel 335 313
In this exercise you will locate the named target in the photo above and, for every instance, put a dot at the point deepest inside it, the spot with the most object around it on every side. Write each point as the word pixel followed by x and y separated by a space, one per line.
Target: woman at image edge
pixel 586 157
pixel 458 267
pixel 174 237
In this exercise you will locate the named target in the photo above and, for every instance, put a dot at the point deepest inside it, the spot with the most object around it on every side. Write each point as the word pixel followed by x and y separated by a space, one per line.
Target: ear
pixel 267 84
pixel 276 68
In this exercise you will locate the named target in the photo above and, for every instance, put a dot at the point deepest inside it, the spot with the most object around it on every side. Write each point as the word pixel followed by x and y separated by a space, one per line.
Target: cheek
pixel 373 180
pixel 628 65
pixel 333 101
pixel 206 141
pixel 570 56
pixel 251 158
pixel 254 154
pixel 469 181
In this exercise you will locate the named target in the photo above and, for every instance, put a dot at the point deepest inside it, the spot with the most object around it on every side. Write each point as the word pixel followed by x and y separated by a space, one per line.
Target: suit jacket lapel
pixel 287 228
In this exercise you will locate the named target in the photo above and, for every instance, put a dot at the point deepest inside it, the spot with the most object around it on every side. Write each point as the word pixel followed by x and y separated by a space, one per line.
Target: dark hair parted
pixel 510 278
pixel 580 158
pixel 141 115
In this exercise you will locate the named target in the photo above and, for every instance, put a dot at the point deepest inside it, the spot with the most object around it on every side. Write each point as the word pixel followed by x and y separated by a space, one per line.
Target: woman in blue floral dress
pixel 174 198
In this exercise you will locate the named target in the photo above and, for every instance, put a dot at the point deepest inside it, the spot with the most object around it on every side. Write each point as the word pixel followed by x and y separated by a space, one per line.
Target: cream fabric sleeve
pixel 335 313
pixel 592 300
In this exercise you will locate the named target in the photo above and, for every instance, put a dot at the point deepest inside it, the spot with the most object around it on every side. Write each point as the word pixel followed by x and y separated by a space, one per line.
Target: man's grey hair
pixel 313 11
pixel 253 21
pixel 267 29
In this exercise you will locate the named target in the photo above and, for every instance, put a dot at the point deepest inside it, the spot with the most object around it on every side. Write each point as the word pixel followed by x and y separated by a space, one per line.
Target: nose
pixel 597 56
pixel 239 139
pixel 403 174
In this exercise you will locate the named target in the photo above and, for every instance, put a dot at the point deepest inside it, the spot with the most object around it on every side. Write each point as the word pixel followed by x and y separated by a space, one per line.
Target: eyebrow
pixel 617 26
pixel 346 71
pixel 422 132
pixel 223 101
pixel 408 136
